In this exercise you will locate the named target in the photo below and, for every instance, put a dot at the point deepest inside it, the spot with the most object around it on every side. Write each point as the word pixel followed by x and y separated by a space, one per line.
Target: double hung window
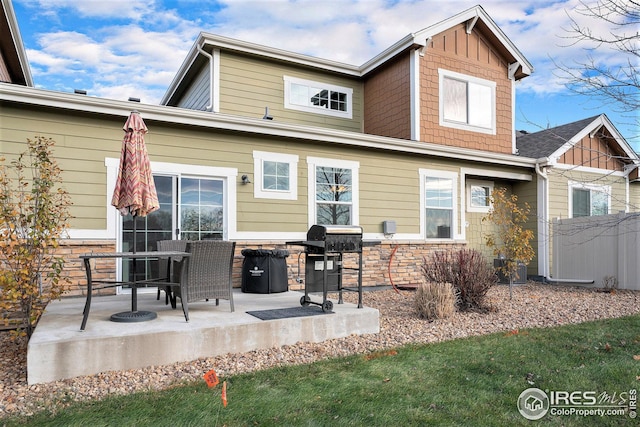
pixel 439 201
pixel 334 186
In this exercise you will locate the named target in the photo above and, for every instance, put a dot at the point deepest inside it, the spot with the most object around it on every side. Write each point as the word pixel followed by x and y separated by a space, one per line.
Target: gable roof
pixel 475 16
pixel 12 47
pixel 554 142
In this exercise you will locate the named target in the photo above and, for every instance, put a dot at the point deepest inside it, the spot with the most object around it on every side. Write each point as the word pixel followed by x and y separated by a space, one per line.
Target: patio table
pixel 134 315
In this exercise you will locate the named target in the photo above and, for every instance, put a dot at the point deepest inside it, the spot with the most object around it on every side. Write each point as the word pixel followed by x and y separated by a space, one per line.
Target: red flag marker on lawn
pixel 211 378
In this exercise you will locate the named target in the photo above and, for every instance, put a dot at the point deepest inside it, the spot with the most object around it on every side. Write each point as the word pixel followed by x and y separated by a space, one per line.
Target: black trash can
pixel 264 271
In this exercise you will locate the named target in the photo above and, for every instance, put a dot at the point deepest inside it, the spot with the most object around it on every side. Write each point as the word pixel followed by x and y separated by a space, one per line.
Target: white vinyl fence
pixel 598 247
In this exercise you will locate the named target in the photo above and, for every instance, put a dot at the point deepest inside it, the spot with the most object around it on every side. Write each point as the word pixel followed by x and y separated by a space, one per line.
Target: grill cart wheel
pixel 305 301
pixel 327 306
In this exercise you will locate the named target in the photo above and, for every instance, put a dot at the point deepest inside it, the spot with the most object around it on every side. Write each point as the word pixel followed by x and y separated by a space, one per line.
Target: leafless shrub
pixel 467 270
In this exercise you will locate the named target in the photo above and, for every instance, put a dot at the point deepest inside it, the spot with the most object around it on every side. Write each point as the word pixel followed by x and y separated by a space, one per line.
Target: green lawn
pixel 467 382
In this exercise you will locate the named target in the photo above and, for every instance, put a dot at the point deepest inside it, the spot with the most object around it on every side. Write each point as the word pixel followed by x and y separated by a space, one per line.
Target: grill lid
pixel 320 232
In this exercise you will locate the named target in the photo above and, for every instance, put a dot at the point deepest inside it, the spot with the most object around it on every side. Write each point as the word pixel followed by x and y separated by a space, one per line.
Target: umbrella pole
pixel 134 315
pixel 134 288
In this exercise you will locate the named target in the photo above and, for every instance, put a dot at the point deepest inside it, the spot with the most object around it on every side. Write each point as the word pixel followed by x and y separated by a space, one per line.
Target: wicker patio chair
pixel 208 274
pixel 174 273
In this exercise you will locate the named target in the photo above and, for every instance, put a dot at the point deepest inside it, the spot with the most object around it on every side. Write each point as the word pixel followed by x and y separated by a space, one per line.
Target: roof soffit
pixel 12 45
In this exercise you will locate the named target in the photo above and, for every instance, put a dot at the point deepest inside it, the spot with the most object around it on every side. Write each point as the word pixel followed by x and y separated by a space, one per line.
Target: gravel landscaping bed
pixel 533 305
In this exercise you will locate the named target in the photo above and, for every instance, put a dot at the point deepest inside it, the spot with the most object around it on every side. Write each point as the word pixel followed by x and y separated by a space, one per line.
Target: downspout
pixel 513 68
pixel 208 55
pixel 543 219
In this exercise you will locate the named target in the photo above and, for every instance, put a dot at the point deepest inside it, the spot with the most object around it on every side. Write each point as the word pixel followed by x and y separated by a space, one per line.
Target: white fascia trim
pixel 14 30
pixel 218 41
pixel 393 50
pixel 414 79
pixel 490 173
pixel 587 169
pixel 173 115
pixel 187 63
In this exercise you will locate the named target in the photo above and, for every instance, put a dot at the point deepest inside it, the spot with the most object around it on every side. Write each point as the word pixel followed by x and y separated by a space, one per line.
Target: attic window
pixel 316 97
pixel 467 102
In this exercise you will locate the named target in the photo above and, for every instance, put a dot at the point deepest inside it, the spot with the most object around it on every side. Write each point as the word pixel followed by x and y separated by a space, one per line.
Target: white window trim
pixel 591 187
pixel 457 125
pixel 479 183
pixel 317 110
pixel 259 192
pixel 312 164
pixel 433 173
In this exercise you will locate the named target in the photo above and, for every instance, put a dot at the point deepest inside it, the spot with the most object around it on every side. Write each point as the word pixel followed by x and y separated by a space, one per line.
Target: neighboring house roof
pixel 12 48
pixel 475 16
pixel 553 142
pixel 546 142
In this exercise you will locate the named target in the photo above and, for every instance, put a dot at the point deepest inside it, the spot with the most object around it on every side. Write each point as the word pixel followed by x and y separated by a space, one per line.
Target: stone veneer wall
pixel 405 266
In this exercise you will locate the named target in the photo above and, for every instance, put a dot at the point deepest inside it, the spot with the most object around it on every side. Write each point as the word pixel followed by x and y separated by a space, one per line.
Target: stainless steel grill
pixel 324 248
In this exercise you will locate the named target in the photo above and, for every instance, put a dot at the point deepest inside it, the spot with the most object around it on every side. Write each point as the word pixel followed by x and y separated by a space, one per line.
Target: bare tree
pixel 615 83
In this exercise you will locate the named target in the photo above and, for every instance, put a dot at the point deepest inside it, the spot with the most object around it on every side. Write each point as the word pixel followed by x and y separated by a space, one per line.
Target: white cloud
pixel 122 9
pixel 145 41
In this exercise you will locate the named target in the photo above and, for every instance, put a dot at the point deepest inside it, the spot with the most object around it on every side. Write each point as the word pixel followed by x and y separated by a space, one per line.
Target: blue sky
pixel 133 48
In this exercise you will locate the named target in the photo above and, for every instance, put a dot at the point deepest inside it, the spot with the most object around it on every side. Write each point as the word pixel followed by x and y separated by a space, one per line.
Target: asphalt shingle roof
pixel 547 141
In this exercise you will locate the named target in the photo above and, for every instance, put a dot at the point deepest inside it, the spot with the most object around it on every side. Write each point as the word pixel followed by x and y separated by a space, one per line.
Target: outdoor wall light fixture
pixel 245 179
pixel 267 116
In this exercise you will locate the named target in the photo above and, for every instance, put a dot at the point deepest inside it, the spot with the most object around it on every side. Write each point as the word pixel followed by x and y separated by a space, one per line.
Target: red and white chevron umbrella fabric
pixel 135 191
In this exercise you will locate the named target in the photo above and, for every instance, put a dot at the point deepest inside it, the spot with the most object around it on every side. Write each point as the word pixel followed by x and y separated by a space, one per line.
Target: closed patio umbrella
pixel 135 194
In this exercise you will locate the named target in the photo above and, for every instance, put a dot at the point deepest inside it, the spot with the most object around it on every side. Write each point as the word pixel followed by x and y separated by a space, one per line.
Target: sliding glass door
pixel 191 208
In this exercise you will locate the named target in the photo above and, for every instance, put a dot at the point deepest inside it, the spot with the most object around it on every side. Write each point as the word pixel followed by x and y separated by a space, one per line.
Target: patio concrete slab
pixel 58 349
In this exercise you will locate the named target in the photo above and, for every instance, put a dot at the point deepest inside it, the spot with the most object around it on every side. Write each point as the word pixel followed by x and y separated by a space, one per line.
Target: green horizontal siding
pixel 248 85
pixel 388 181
